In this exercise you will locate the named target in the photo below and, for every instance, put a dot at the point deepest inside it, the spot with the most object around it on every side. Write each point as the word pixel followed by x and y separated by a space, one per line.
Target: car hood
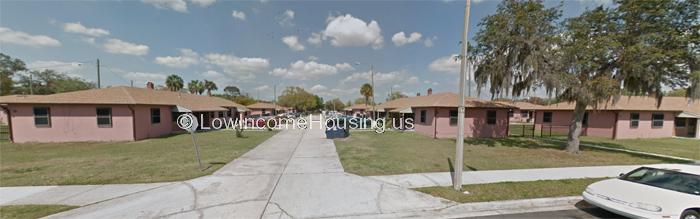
pixel 627 192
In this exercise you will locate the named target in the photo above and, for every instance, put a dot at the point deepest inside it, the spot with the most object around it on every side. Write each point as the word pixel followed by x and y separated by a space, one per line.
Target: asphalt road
pixel 583 211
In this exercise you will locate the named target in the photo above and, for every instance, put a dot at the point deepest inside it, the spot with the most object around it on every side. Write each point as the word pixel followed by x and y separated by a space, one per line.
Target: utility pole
pixel 274 88
pixel 31 84
pixel 132 83
pixel 371 71
pixel 459 152
pixel 98 74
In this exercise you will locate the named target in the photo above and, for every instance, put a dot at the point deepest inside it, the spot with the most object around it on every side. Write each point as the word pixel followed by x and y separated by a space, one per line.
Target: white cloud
pixel 400 38
pixel 176 5
pixel 445 64
pixel 293 43
pixel 240 68
pixel 143 77
pixel 80 29
pixel 346 31
pixel 428 42
pixel 318 88
pixel 8 35
pixel 380 78
pixel 187 58
pixel 302 70
pixel 312 58
pixel 262 88
pixel 286 18
pixel 117 46
pixel 315 39
pixel 203 3
pixel 238 15
pixel 344 66
pixel 73 69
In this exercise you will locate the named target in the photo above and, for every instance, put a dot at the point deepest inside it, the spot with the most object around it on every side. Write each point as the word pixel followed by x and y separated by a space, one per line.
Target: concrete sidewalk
pixel 294 174
pixel 418 180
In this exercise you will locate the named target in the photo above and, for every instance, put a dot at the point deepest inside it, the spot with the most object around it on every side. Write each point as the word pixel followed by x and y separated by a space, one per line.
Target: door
pixel 692 126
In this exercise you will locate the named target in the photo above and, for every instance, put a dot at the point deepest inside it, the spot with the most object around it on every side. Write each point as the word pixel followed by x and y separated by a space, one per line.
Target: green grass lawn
pixel 679 147
pixel 512 190
pixel 31 211
pixel 169 158
pixel 368 153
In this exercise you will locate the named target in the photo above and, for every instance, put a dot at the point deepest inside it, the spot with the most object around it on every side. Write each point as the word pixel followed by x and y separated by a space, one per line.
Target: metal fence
pixel 521 130
pixel 554 130
pixel 4 132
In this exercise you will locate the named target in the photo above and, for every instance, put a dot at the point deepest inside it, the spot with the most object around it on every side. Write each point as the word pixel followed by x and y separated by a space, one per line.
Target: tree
pixel 195 87
pixel 174 83
pixel 334 104
pixel 395 95
pixel 298 98
pixel 366 91
pixel 50 82
pixel 8 67
pixel 637 48
pixel 232 91
pixel 209 86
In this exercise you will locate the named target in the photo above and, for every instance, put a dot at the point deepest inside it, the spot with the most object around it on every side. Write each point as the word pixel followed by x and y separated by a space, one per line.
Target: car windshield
pixel 666 179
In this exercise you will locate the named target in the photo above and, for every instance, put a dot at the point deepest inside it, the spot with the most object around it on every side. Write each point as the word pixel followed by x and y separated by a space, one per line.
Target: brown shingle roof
pixel 127 95
pixel 360 106
pixel 526 105
pixel 637 103
pixel 263 105
pixel 441 100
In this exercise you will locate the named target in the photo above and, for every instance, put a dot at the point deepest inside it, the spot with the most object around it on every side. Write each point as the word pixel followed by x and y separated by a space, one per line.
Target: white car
pixel 653 191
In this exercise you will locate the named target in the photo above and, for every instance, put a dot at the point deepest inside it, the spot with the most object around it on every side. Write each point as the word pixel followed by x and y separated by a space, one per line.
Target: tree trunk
pixel 575 128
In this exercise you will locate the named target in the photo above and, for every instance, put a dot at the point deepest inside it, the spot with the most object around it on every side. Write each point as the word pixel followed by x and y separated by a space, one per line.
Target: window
pixel 422 116
pixel 228 113
pixel 547 117
pixel 680 122
pixel 221 114
pixel 634 120
pixel 263 111
pixel 657 120
pixel 155 115
pixel 491 117
pixel 510 114
pixel 42 116
pixel 104 117
pixel 453 117
pixel 525 114
pixel 585 119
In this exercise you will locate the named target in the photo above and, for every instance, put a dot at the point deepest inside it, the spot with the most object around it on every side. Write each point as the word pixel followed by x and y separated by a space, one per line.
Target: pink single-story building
pixel 435 115
pixel 108 114
pixel 266 109
pixel 359 110
pixel 524 112
pixel 629 118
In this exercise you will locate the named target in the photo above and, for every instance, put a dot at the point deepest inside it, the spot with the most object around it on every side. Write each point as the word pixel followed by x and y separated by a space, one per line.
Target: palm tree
pixel 366 91
pixel 195 86
pixel 174 83
pixel 209 86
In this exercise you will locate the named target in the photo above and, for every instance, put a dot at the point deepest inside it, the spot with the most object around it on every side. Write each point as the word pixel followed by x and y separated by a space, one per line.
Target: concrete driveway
pixel 294 174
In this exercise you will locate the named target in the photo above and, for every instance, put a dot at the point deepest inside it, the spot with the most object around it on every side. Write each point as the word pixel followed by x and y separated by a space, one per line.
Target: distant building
pixel 630 117
pixel 266 109
pixel 359 110
pixel 524 112
pixel 435 115
pixel 108 114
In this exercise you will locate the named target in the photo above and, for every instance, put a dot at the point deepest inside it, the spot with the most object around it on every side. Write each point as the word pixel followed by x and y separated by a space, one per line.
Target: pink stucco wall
pixel 144 127
pixel 438 125
pixel 3 116
pixel 644 130
pixel 610 124
pixel 70 123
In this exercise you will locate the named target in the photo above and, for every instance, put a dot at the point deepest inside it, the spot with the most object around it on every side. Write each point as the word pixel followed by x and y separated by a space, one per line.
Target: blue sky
pixel 325 47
